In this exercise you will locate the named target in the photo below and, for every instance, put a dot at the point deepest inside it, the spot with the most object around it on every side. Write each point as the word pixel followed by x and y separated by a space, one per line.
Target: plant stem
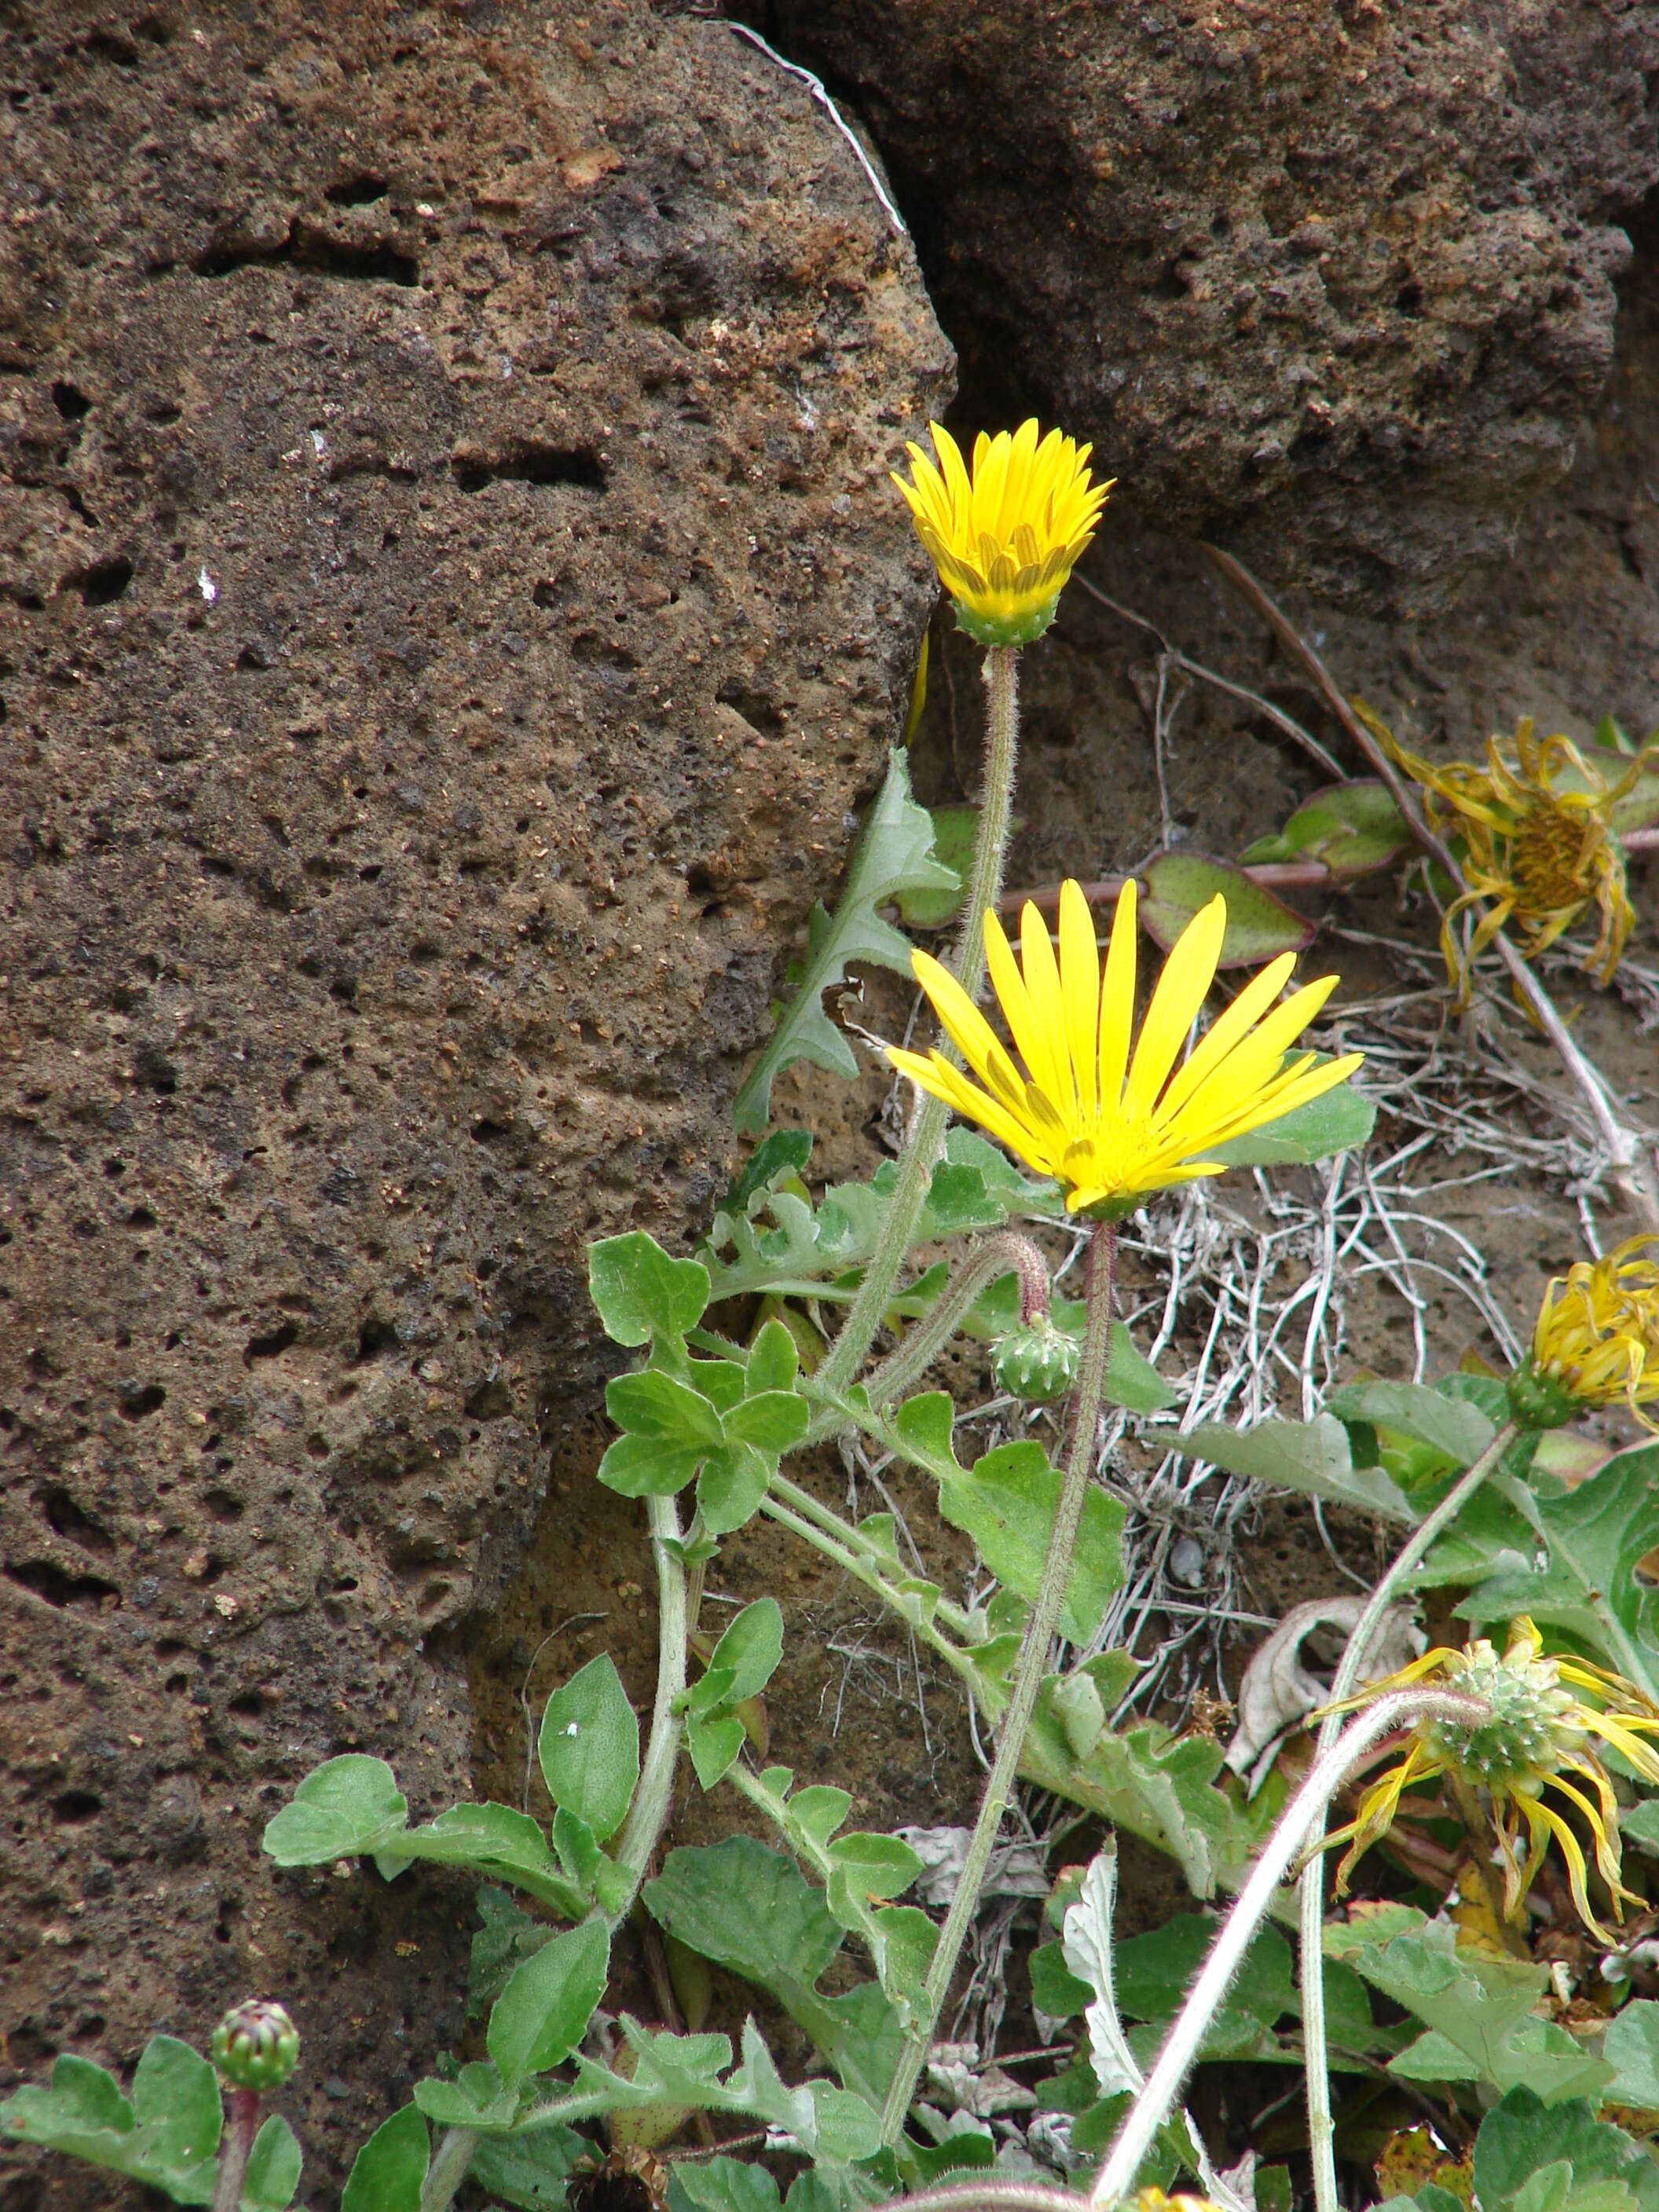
pixel 655 1793
pixel 924 1340
pixel 927 1133
pixel 651 1800
pixel 1321 2132
pixel 1028 1672
pixel 1117 2177
pixel 241 2125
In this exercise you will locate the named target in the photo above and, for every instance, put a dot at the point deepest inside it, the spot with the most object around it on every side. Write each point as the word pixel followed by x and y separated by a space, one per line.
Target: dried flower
pixel 1536 1733
pixel 1538 845
pixel 1005 542
pixel 1110 1129
pixel 1596 1340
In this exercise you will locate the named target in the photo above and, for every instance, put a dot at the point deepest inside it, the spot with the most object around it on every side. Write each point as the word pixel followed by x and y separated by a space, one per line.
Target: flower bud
pixel 1037 1361
pixel 255 2045
pixel 1540 1398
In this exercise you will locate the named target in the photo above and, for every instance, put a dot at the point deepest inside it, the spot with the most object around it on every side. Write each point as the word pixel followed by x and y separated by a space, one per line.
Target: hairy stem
pixel 1028 1672
pixel 1117 2177
pixel 977 1270
pixel 651 1800
pixel 927 1133
pixel 241 2125
pixel 1322 2132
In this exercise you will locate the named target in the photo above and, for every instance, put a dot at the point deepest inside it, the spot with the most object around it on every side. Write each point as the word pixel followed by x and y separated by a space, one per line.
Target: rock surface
pixel 1335 284
pixel 449 602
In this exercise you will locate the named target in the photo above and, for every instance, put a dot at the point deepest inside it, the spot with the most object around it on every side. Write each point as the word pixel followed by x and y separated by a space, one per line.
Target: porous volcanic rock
pixel 449 603
pixel 1333 283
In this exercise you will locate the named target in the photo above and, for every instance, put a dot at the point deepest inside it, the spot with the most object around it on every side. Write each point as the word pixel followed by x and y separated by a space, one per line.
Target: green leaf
pixel 477 2098
pixel 784 1154
pixel 540 2016
pixel 955 829
pixel 720 2185
pixel 1522 2137
pixel 652 1404
pixel 1155 1970
pixel 640 1292
pixel 893 855
pixel 589 1747
pixel 773 1420
pixel 925 1426
pixel 1054 1989
pixel 1177 885
pixel 1339 1121
pixel 1453 1426
pixel 746 1908
pixel 273 2167
pixel 389 2172
pixel 1641 1824
pixel 1353 828
pixel 774 1361
pixel 751 1647
pixel 531 2170
pixel 1595 1536
pixel 167 2136
pixel 491 1841
pixel 176 2098
pixel 508 1933
pixel 1132 1380
pixel 1632 2049
pixel 348 1808
pixel 881 1866
pixel 714 1745
pixel 644 1466
pixel 1479 2014
pixel 1007 1505
pixel 1310 1457
pixel 732 1483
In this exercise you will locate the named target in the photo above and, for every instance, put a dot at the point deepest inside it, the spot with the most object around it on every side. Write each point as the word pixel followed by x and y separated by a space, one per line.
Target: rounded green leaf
pixel 590 1747
pixel 1258 925
pixel 389 2172
pixel 540 2016
pixel 640 1292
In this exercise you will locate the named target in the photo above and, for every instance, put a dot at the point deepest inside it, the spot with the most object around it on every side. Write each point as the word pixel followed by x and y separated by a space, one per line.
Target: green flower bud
pixel 255 2045
pixel 1036 1361
pixel 1540 1398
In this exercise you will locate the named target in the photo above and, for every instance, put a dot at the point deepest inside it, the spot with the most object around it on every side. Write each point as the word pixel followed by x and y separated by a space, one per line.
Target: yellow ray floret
pixel 1597 1334
pixel 1539 1730
pixel 1006 539
pixel 1109 1126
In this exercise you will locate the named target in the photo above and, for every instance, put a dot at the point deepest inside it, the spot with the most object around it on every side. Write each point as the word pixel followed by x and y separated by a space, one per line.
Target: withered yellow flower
pixel 1006 539
pixel 1538 1731
pixel 1537 846
pixel 1596 1338
pixel 1110 1128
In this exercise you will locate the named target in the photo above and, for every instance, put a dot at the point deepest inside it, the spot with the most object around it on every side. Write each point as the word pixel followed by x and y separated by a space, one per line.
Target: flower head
pixel 255 2045
pixel 1109 1127
pixel 1540 1729
pixel 1004 541
pixel 1538 845
pixel 1596 1340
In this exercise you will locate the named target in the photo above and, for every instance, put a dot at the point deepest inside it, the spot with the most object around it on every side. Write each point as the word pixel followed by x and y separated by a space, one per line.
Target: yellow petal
pixel 1017 1009
pixel 1042 984
pixel 1188 973
pixel 1225 1032
pixel 1079 985
pixel 1117 1000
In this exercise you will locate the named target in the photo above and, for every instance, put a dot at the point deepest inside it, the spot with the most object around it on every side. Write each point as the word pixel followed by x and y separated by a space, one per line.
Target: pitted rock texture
pixel 449 602
pixel 1332 284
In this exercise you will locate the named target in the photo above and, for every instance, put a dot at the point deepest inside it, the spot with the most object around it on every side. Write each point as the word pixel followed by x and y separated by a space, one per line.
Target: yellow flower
pixel 1596 1340
pixel 1005 543
pixel 1538 1731
pixel 1110 1129
pixel 1537 844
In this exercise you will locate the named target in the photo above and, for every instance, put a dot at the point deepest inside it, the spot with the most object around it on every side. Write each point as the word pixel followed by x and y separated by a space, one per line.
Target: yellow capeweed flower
pixel 1006 540
pixel 1110 1128
pixel 1540 1730
pixel 1538 845
pixel 1596 1340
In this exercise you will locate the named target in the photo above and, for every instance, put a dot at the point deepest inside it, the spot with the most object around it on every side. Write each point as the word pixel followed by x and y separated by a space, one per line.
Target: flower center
pixel 1546 855
pixel 1529 1727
